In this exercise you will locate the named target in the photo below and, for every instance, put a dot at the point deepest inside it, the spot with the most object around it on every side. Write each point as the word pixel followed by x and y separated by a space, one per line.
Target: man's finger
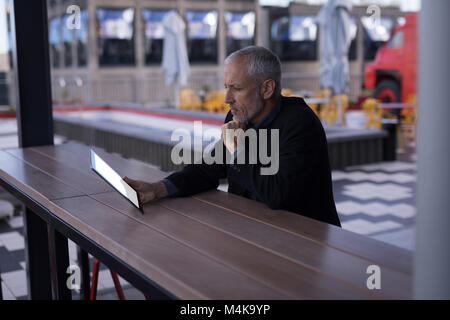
pixel 242 125
pixel 230 125
pixel 136 185
pixel 127 180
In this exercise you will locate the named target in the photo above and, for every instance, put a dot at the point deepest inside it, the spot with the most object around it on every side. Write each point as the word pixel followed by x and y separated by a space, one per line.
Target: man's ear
pixel 267 89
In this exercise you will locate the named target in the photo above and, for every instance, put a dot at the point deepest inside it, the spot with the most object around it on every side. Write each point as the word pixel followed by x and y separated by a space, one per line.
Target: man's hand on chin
pixel 147 191
pixel 229 136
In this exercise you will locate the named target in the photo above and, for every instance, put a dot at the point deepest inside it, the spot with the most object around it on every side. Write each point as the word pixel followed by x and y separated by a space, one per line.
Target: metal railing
pixel 153 91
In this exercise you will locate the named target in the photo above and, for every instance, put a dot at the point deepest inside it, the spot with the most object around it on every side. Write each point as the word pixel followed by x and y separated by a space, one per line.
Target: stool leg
pixel 83 262
pixel 117 285
pixel 95 270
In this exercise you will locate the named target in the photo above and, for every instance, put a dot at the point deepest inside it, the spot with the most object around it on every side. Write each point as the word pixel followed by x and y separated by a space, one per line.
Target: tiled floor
pixel 376 200
pixel 12 264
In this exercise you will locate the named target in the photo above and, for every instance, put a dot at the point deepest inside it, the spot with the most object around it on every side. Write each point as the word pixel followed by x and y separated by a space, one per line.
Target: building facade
pixel 110 50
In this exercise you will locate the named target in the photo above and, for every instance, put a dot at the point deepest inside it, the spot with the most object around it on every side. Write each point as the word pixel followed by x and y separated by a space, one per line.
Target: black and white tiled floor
pixel 12 259
pixel 376 200
pixel 12 264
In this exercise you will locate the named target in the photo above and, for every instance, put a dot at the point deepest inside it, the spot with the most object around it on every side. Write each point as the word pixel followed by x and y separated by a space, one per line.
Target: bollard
pixel 390 142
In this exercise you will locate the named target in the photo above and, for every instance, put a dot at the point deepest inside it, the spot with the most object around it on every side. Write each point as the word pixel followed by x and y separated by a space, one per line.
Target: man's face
pixel 242 93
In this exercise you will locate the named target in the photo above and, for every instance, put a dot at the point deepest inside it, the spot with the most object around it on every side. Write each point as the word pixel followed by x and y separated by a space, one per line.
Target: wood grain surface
pixel 214 245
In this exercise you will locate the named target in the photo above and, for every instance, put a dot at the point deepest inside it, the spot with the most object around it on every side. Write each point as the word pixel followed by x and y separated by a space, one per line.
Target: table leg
pixel 83 263
pixel 59 262
pixel 1 292
pixel 37 257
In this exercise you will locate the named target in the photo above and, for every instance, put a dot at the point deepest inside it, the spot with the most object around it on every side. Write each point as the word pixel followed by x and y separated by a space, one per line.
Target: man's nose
pixel 228 97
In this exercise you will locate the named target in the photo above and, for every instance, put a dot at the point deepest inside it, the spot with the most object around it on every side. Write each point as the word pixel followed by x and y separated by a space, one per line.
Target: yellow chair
pixel 285 92
pixel 323 112
pixel 215 102
pixel 189 100
pixel 409 119
pixel 330 113
pixel 341 99
pixel 373 112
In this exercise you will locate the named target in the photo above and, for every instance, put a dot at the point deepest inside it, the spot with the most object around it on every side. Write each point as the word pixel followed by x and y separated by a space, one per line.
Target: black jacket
pixel 303 181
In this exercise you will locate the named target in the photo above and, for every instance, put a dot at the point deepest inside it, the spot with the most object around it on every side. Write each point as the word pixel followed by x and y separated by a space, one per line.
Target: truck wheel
pixel 388 91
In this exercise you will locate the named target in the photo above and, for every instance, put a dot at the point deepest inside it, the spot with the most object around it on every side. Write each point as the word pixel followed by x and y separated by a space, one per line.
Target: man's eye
pixel 233 88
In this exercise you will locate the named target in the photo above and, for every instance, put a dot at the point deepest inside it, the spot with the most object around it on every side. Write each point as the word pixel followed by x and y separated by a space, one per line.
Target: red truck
pixel 392 75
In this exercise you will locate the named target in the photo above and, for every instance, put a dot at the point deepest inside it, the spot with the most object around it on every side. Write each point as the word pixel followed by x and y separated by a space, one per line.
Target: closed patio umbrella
pixel 175 63
pixel 334 21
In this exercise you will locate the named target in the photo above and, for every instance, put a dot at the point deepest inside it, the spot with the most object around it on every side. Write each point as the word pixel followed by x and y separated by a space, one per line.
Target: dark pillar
pixel 32 72
pixel 35 122
pixel 59 262
pixel 390 142
pixel 83 262
pixel 37 257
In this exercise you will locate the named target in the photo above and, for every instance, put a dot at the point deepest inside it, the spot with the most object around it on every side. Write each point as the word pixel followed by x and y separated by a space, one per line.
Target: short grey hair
pixel 262 64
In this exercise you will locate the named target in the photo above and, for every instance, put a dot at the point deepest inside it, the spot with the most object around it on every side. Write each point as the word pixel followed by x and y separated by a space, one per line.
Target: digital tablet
pixel 114 179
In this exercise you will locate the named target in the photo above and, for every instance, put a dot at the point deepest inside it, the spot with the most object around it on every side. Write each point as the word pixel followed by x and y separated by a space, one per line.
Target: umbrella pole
pixel 176 90
pixel 340 116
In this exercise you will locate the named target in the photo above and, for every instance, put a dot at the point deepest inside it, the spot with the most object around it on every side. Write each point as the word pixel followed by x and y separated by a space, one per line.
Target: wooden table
pixel 211 246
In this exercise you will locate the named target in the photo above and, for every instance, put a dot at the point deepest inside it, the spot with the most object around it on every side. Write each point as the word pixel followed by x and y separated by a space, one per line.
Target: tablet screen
pixel 113 178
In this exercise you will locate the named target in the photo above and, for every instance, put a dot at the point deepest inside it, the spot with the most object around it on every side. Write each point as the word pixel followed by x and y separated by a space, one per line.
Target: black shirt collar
pixel 268 118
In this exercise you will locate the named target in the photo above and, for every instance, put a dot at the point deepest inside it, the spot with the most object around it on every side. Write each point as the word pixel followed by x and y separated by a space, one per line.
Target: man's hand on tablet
pixel 147 191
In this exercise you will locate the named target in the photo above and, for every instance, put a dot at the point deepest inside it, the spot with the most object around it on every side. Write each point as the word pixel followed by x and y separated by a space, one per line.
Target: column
pixel 139 34
pixel 432 257
pixel 262 26
pixel 222 35
pixel 29 24
pixel 92 52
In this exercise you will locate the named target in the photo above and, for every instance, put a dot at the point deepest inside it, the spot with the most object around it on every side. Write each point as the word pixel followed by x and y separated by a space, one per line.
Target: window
pixel 376 32
pixel 8 28
pixel 116 36
pixel 295 38
pixel 81 37
pixel 154 35
pixel 67 38
pixel 240 30
pixel 396 40
pixel 55 41
pixel 202 36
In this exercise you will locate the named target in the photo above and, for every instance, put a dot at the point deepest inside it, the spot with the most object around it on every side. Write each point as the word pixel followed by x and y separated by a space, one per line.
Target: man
pixel 302 183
